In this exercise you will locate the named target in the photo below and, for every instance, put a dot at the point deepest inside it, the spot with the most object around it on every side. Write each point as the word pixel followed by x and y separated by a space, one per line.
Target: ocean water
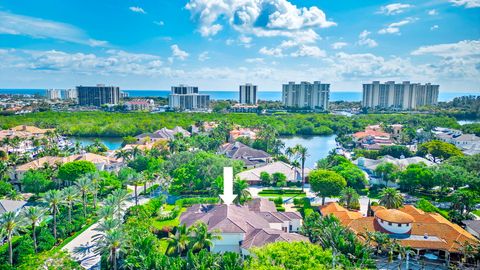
pixel 223 95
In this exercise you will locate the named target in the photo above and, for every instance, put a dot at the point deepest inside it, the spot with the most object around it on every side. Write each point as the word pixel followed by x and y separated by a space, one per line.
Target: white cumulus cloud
pixel 338 45
pixel 432 12
pixel 203 56
pixel 178 53
pixel 395 8
pixel 394 28
pixel 308 51
pixel 137 10
pixel 364 40
pixel 265 18
pixel 466 3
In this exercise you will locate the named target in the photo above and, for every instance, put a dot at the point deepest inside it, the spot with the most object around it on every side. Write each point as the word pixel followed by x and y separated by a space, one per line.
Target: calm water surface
pixel 318 146
pixel 112 143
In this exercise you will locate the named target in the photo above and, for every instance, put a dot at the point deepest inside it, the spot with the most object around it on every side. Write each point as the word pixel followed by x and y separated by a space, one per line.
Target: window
pixel 389 223
pixel 399 225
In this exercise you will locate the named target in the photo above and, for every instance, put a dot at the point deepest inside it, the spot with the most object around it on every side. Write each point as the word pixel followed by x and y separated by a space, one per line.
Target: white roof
pixel 402 163
pixel 11 205
pixel 293 174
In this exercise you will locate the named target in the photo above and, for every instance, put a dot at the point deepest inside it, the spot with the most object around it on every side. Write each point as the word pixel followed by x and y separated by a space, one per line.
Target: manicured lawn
pixel 476 212
pixel 296 195
pixel 170 222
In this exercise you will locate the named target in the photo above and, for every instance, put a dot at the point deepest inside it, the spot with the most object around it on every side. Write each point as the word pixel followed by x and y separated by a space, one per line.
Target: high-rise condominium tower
pixel 306 95
pixel 400 96
pixel 248 94
pixel 98 95
pixel 185 97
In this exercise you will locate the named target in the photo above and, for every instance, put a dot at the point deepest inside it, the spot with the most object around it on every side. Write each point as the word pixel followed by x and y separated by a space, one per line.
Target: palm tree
pixel 240 187
pixel 117 200
pixel 349 197
pixel 70 196
pixel 34 215
pixel 107 225
pixel 107 211
pixel 53 198
pixel 178 242
pixel 201 238
pixel 10 224
pixel 95 179
pixel 111 243
pixel 124 154
pixel 136 180
pixel 84 185
pixel 391 198
pixel 302 153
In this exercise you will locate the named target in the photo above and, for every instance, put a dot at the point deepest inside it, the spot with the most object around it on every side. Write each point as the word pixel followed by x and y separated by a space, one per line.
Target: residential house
pixel 239 132
pixel 473 227
pixel 369 165
pixel 468 143
pixel 250 156
pixel 102 163
pixel 244 227
pixel 293 174
pixel 161 134
pixel 425 233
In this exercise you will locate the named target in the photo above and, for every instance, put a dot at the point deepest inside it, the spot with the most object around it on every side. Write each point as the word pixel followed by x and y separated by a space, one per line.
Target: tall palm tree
pixel 302 153
pixel 95 179
pixel 111 243
pixel 108 224
pixel 70 196
pixel 136 180
pixel 201 238
pixel 240 187
pixel 10 224
pixel 84 185
pixel 123 154
pixel 117 200
pixel 54 199
pixel 34 215
pixel 391 198
pixel 178 242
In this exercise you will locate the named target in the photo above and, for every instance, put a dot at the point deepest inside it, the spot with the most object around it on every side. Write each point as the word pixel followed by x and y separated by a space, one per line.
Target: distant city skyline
pixel 148 45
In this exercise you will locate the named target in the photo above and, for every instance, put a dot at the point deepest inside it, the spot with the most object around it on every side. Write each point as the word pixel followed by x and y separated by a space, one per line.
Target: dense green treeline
pixel 106 124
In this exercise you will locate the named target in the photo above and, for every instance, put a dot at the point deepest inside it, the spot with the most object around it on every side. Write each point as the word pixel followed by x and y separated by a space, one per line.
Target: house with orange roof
pixel 425 233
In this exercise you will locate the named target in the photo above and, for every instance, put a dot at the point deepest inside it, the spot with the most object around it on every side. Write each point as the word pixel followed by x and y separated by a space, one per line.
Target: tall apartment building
pixel 308 95
pixel 70 94
pixel 184 97
pixel 53 94
pixel 98 95
pixel 401 96
pixel 248 94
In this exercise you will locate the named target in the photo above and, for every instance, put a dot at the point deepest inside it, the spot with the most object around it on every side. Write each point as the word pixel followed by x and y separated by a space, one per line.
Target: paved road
pixel 81 249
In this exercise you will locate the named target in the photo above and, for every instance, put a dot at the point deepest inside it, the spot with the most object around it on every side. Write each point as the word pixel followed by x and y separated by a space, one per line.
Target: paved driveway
pixel 81 249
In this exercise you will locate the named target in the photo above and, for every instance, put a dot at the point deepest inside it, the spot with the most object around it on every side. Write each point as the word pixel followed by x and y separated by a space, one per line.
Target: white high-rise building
pixel 248 94
pixel 69 94
pixel 308 95
pixel 53 94
pixel 185 97
pixel 402 96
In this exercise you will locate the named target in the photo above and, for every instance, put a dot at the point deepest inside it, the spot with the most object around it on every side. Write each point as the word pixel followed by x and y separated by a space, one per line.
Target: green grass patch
pixel 160 224
pixel 476 212
pixel 284 195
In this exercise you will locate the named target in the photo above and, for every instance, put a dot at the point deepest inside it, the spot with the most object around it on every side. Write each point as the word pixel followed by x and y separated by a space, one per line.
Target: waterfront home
pixel 428 234
pixel 293 174
pixel 468 143
pixel 161 134
pixel 244 227
pixel 369 165
pixel 102 163
pixel 205 127
pixel 240 132
pixel 250 156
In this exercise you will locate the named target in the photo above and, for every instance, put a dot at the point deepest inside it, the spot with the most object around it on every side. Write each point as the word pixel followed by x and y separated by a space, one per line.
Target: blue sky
pixel 219 44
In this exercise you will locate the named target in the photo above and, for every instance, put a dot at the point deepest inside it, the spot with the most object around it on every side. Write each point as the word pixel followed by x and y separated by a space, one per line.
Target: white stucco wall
pixel 277 226
pixel 394 227
pixel 296 224
pixel 229 242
